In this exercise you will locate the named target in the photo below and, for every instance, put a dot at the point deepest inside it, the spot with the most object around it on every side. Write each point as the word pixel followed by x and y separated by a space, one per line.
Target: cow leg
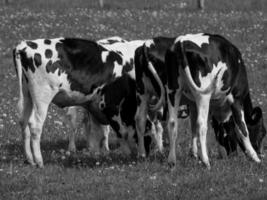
pixel 73 124
pixel 36 121
pixel 25 109
pixel 173 106
pixel 106 130
pixel 242 131
pixel 158 135
pixel 202 126
pixel 96 134
pixel 140 118
pixel 193 120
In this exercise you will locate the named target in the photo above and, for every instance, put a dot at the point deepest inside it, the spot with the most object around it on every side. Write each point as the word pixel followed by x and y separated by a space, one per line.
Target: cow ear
pixel 256 115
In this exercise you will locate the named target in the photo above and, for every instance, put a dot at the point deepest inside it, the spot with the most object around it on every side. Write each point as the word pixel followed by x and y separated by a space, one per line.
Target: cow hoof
pixel 171 165
pixel 40 164
pixel 193 155
pixel 207 165
pixel 72 149
pixel 29 162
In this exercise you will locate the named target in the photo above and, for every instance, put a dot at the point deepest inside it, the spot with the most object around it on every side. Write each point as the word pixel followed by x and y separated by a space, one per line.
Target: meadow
pixel 87 176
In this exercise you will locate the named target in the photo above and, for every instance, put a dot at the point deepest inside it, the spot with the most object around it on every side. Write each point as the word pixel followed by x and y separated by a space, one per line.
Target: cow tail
pixel 18 67
pixel 190 80
pixel 151 68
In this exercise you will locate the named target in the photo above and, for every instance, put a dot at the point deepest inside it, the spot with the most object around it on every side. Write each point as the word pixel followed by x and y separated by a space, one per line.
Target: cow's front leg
pixel 242 131
pixel 140 118
pixel 173 106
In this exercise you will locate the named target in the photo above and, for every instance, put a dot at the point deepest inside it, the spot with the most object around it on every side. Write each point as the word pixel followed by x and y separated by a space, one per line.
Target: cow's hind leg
pixel 193 120
pixel 36 121
pixel 202 126
pixel 242 131
pixel 25 108
pixel 140 118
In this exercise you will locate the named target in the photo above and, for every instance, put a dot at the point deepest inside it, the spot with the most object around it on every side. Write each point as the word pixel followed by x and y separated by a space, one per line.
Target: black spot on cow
pixel 31 44
pixel 48 53
pixel 127 67
pixel 47 41
pixel 113 56
pixel 172 97
pixel 37 59
pixel 27 63
pixel 59 46
pixel 60 85
pixel 49 66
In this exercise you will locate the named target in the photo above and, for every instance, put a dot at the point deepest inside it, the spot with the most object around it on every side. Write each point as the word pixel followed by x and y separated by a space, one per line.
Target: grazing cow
pixel 153 64
pixel 126 49
pixel 209 70
pixel 67 72
pixel 96 133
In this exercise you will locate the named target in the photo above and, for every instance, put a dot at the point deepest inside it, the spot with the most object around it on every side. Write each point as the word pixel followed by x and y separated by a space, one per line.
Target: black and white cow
pixel 152 75
pixel 97 134
pixel 67 72
pixel 209 70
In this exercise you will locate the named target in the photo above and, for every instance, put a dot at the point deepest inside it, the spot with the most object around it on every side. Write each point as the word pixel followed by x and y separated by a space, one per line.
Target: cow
pixel 67 72
pixel 96 133
pixel 209 70
pixel 94 140
pixel 157 73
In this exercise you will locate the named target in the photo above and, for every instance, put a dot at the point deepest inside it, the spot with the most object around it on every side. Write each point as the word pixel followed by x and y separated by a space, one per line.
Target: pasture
pixel 87 176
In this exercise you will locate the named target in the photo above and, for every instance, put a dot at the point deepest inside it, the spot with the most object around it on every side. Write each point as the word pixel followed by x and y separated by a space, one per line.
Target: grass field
pixel 83 176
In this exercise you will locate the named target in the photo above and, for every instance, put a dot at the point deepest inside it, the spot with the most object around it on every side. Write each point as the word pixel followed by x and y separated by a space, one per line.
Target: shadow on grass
pixel 55 153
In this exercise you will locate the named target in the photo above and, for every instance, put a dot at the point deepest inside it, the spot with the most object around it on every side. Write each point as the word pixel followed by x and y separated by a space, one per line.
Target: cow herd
pixel 132 86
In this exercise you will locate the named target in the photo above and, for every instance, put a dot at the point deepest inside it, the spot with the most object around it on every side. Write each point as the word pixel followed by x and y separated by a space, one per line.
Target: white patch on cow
pixel 199 39
pixel 104 56
pixel 117 69
pixel 206 80
pixel 127 51
pixel 149 43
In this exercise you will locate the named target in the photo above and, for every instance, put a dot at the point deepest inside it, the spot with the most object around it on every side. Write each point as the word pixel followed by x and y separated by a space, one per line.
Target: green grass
pixel 83 176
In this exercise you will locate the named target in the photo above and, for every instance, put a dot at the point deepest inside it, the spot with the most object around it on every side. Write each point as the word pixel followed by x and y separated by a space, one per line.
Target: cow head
pixel 257 130
pixel 227 138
